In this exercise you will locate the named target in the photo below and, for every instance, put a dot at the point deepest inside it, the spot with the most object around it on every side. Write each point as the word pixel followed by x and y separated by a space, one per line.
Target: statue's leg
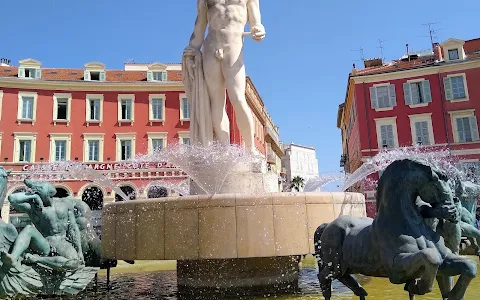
pixel 454 265
pixel 408 266
pixel 234 70
pixel 31 238
pixel 59 263
pixel 445 284
pixel 352 284
pixel 325 280
pixel 212 70
pixel 470 231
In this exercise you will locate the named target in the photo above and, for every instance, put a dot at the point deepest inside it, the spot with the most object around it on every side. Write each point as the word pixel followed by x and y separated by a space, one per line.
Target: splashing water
pixel 183 188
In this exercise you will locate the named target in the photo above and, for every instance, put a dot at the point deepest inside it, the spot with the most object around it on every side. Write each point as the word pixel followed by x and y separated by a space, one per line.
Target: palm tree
pixel 297 183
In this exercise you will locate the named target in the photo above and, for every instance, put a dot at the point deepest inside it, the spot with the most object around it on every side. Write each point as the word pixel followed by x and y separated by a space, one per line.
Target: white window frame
pixel 453 119
pixel 93 137
pixel 386 84
pixel 182 135
pixel 150 107
pixel 422 118
pixel 97 68
pixel 157 67
pixel 418 104
pixel 31 64
pixel 156 135
pixel 119 137
pixel 54 137
pixel 454 44
pixel 386 121
pixel 465 86
pixel 89 97
pixel 17 136
pixel 20 107
pixel 130 97
pixel 57 96
pixel 454 49
pixel 180 98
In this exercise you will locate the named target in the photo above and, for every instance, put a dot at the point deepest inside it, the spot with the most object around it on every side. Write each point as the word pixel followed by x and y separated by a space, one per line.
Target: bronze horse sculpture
pixel 398 244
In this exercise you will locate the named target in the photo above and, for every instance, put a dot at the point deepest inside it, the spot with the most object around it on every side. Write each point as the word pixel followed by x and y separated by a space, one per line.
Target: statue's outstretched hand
pixel 258 32
pixel 449 212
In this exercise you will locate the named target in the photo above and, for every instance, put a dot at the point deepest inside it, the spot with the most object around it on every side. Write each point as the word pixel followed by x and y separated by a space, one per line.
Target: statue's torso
pixel 52 220
pixel 227 20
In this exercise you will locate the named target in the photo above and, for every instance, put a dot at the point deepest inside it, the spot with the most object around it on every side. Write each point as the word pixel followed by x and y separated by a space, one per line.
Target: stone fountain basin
pixel 221 226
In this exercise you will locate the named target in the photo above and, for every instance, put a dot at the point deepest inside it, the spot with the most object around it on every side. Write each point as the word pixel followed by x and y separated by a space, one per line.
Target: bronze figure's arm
pixel 74 233
pixel 23 201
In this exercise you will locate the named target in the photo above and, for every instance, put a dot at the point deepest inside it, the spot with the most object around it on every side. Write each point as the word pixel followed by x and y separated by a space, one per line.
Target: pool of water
pixel 163 285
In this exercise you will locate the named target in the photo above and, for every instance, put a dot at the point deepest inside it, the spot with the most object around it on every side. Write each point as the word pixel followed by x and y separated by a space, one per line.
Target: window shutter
pixel 425 134
pixel 418 132
pixel 392 95
pixel 86 76
pixel 164 76
pixel 427 93
pixel 391 143
pixel 38 73
pixel 102 76
pixel 149 76
pixel 21 72
pixel 97 110
pixel 28 150
pixel 407 94
pixel 447 84
pixel 373 97
pixel 460 130
pixel 474 128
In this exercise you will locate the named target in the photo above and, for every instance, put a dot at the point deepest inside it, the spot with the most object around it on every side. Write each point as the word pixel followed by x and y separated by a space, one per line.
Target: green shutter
pixel 21 72
pixel 474 128
pixel 418 133
pixel 447 84
pixel 164 76
pixel 460 130
pixel 373 97
pixel 407 94
pixel 38 73
pixel 86 75
pixel 102 76
pixel 427 93
pixel 392 95
pixel 149 76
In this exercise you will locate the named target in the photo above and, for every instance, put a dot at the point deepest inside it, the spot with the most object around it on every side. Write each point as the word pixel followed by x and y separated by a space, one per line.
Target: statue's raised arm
pixel 25 202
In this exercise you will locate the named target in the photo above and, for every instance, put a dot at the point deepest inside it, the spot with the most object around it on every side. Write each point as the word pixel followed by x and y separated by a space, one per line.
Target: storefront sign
pixel 103 166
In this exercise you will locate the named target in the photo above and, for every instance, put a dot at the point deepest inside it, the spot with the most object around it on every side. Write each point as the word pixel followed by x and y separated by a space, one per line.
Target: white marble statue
pixel 220 67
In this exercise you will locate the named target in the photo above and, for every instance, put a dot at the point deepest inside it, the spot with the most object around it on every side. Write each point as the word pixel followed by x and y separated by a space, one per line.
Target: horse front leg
pixel 472 232
pixel 445 284
pixel 454 265
pixel 409 266
pixel 352 284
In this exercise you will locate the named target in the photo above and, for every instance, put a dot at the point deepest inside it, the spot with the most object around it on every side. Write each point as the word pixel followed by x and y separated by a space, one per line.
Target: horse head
pixel 405 180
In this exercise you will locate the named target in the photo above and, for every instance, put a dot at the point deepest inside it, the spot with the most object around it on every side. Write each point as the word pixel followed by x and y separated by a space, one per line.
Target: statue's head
pixel 44 189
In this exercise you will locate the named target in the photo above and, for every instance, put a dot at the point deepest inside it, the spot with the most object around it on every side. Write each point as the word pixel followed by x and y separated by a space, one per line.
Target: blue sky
pixel 300 70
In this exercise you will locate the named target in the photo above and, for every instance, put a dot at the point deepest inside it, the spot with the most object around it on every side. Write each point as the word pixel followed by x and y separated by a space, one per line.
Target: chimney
pixel 4 62
pixel 437 52
pixel 375 62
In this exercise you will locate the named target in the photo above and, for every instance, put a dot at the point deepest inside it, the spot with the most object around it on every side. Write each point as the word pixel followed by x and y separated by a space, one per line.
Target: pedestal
pixel 244 276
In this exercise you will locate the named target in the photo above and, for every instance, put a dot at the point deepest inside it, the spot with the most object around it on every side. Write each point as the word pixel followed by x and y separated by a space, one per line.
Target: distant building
pixel 300 161
pixel 427 98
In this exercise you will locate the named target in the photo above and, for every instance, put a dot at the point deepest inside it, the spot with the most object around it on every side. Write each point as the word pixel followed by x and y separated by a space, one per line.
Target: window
pixel 465 127
pixel 126 108
pixel 186 141
pixel 60 150
pixel 156 141
pixel 61 108
pixel 387 132
pixel 1 101
pixel 93 147
pixel 125 146
pixel 27 104
pixel 24 147
pixel 417 92
pixel 157 72
pixel 455 87
pixel 159 76
pixel 453 54
pixel 184 138
pixel 184 108
pixel 94 111
pixel 383 96
pixel 27 108
pixel 30 69
pixel 94 71
pixel 422 130
pixel 60 146
pixel 157 108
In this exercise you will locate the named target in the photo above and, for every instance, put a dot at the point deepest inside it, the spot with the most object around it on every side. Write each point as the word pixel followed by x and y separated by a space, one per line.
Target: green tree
pixel 297 183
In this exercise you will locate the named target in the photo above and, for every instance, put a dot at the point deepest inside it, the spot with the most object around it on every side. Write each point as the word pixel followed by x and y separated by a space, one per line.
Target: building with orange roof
pixel 427 98
pixel 102 117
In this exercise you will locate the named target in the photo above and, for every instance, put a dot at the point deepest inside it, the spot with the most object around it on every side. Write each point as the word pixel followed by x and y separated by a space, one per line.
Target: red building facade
pixel 99 117
pixel 427 98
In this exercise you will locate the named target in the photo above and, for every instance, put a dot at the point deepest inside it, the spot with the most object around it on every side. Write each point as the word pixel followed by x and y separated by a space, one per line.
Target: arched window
pixel 61 193
pixel 157 192
pixel 129 191
pixel 93 196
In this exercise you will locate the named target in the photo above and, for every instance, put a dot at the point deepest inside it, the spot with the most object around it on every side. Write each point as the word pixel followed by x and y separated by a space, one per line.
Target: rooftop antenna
pixel 362 55
pixel 432 32
pixel 380 42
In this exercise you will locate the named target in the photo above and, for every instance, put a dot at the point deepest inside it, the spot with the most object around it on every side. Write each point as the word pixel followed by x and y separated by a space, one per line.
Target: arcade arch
pixel 129 189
